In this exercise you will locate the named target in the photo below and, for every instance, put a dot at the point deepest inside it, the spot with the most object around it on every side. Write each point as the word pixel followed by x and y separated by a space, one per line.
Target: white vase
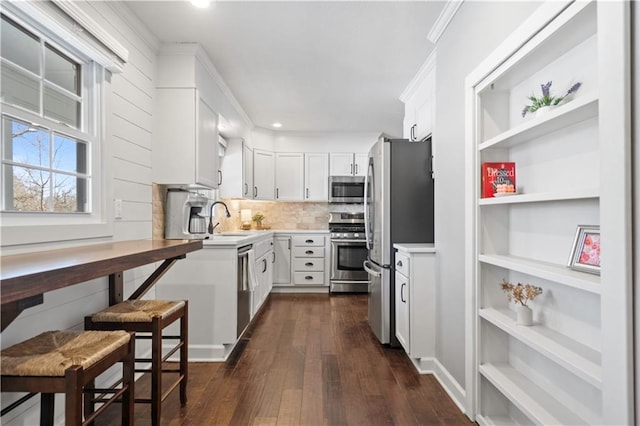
pixel 524 315
pixel 545 109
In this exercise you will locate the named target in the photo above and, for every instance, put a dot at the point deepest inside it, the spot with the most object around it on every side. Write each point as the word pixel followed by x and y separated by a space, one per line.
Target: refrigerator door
pixel 379 308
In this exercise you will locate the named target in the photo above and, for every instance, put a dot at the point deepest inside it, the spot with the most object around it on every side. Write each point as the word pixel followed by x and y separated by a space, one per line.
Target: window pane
pixel 61 70
pixel 31 191
pixel 69 193
pixel 69 154
pixel 20 90
pixel 19 46
pixel 61 108
pixel 25 144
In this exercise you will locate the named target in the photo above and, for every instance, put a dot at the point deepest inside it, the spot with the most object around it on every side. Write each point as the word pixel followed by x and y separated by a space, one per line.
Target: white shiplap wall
pixel 128 141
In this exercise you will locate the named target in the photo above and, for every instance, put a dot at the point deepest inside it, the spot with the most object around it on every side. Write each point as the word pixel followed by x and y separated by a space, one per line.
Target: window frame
pixel 38 227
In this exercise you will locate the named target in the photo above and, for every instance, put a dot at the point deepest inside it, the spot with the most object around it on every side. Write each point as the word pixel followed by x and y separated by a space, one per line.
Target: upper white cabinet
pixel 289 175
pixel 574 365
pixel 186 139
pixel 348 164
pixel 263 175
pixel 316 176
pixel 237 170
pixel 419 101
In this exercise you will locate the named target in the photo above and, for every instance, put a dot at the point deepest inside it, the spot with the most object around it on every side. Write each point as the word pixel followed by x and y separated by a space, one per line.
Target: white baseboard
pixel 450 385
pixel 299 289
pixel 204 353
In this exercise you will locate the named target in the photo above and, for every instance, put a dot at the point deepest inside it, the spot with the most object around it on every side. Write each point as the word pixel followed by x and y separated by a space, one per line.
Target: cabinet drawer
pixel 402 263
pixel 308 278
pixel 313 264
pixel 308 252
pixel 307 240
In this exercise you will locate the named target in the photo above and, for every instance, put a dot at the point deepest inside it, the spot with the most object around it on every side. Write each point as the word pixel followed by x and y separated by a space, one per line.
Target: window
pixel 48 126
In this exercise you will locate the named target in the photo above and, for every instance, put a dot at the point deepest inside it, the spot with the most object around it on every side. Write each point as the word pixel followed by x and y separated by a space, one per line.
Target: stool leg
pixel 47 404
pixel 156 371
pixel 89 404
pixel 128 380
pixel 73 396
pixel 184 353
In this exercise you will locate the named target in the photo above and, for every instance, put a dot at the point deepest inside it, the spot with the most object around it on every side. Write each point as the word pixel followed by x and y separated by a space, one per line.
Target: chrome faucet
pixel 212 227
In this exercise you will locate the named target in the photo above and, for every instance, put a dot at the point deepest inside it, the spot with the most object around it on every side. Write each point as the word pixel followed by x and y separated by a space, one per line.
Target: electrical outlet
pixel 118 208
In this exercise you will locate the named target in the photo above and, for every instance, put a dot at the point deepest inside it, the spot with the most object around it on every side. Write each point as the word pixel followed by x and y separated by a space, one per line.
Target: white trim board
pixel 441 24
pixel 449 384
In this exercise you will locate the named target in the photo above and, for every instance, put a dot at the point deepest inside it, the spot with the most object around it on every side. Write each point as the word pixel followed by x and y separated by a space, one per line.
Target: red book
pixel 498 178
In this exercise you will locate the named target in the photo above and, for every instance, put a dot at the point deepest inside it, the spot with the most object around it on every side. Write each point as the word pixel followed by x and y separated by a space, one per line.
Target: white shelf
pixel 565 115
pixel 581 360
pixel 539 197
pixel 541 407
pixel 545 270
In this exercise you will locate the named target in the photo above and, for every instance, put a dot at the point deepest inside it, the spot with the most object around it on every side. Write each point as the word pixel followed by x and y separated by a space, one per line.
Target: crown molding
pixel 449 10
pixel 428 65
pixel 125 13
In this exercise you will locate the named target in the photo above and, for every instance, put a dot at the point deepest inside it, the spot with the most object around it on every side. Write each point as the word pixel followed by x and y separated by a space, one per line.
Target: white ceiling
pixel 314 66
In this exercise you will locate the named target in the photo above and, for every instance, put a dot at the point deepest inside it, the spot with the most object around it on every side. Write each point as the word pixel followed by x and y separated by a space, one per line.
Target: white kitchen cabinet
pixel 309 260
pixel 572 366
pixel 316 176
pixel 282 264
pixel 186 139
pixel 419 99
pixel 289 176
pixel 264 257
pixel 263 175
pixel 237 170
pixel 415 301
pixel 348 164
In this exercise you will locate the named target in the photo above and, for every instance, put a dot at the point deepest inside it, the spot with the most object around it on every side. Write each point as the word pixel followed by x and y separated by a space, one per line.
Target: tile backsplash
pixel 278 215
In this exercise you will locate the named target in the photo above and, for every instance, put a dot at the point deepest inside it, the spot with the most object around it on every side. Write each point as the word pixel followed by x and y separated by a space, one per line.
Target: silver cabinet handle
pixel 308 264
pixel 309 252
pixel 402 292
pixel 289 243
pixel 351 168
pixel 265 265
pixel 308 277
pixel 356 168
pixel 309 241
pixel 246 188
pixel 255 192
pixel 219 177
pixel 307 193
pixel 277 192
pixel 273 253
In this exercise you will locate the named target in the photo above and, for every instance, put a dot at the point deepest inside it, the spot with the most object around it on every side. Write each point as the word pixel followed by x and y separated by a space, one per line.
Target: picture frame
pixel 585 253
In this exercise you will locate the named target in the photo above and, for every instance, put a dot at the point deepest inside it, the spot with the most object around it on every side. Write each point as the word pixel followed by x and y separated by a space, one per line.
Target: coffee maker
pixel 184 218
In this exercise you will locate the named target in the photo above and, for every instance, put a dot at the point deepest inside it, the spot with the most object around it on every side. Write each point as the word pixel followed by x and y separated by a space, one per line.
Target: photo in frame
pixel 585 253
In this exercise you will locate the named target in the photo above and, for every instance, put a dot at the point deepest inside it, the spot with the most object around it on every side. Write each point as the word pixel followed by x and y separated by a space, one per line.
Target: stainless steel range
pixel 348 253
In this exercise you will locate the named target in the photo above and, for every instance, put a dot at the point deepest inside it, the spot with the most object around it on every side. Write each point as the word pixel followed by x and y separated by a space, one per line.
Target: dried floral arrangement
pixel 520 293
pixel 547 99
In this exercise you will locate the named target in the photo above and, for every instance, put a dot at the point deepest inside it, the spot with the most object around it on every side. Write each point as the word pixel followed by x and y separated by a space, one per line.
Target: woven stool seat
pixel 137 311
pixel 51 353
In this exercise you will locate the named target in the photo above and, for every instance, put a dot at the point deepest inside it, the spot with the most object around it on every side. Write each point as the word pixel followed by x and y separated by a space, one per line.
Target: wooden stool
pixel 68 362
pixel 150 317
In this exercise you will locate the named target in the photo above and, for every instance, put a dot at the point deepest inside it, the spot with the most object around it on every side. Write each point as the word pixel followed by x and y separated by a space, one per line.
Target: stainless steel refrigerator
pixel 398 209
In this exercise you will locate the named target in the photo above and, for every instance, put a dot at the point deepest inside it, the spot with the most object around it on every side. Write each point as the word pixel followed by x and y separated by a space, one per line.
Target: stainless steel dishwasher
pixel 244 289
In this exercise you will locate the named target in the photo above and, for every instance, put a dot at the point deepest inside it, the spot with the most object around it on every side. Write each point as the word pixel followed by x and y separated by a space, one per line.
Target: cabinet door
pixel 263 175
pixel 282 265
pixel 402 312
pixel 268 283
pixel 424 118
pixel 175 120
pixel 289 175
pixel 247 172
pixel 341 164
pixel 360 163
pixel 316 177
pixel 207 170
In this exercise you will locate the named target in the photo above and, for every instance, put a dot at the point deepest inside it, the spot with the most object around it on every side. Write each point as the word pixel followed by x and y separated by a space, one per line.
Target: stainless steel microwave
pixel 346 189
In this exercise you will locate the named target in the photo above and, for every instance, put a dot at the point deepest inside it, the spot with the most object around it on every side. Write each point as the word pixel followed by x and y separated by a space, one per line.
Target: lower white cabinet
pixel 264 256
pixel 282 260
pixel 415 299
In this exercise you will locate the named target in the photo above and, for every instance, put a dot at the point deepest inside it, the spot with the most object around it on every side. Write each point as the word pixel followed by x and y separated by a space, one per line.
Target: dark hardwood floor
pixel 308 360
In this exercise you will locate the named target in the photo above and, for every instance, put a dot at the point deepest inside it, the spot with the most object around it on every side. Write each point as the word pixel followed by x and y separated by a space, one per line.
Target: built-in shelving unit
pixel 573 366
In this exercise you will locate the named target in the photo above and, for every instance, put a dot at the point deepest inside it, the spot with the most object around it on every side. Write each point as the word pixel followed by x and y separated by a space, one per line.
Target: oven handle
pixel 368 266
pixel 349 241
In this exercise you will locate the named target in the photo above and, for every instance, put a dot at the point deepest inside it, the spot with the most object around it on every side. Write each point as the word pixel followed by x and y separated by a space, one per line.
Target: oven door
pixel 347 258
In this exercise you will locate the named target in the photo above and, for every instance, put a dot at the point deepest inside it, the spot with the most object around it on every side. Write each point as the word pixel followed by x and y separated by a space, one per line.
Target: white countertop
pixel 415 247
pixel 239 238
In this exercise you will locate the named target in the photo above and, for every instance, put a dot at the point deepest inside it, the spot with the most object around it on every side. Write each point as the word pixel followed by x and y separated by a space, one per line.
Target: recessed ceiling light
pixel 277 125
pixel 201 3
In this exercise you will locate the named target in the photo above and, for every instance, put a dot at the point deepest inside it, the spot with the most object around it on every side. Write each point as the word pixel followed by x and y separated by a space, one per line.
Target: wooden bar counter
pixel 24 278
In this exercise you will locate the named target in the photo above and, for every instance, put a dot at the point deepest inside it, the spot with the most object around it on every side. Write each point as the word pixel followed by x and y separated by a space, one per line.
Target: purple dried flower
pixel 545 88
pixel 574 88
pixel 525 111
